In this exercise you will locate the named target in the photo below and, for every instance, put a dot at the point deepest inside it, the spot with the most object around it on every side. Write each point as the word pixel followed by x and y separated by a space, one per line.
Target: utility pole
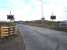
pixel 42 11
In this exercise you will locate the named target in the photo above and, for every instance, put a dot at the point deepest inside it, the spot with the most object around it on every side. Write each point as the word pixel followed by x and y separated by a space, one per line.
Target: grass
pixel 7 24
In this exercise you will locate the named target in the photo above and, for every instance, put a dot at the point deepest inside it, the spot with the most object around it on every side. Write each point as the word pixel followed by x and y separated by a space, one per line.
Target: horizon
pixel 27 10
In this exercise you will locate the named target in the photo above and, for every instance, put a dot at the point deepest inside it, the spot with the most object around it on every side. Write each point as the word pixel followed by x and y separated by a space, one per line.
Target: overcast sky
pixel 31 9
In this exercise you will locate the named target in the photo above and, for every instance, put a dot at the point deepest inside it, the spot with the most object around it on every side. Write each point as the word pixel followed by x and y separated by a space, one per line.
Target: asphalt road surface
pixel 36 38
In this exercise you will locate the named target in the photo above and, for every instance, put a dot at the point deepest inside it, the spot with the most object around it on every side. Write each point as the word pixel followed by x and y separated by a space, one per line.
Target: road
pixel 36 38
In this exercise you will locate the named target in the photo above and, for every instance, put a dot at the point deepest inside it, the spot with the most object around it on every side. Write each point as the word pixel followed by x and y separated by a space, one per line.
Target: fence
pixel 6 31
